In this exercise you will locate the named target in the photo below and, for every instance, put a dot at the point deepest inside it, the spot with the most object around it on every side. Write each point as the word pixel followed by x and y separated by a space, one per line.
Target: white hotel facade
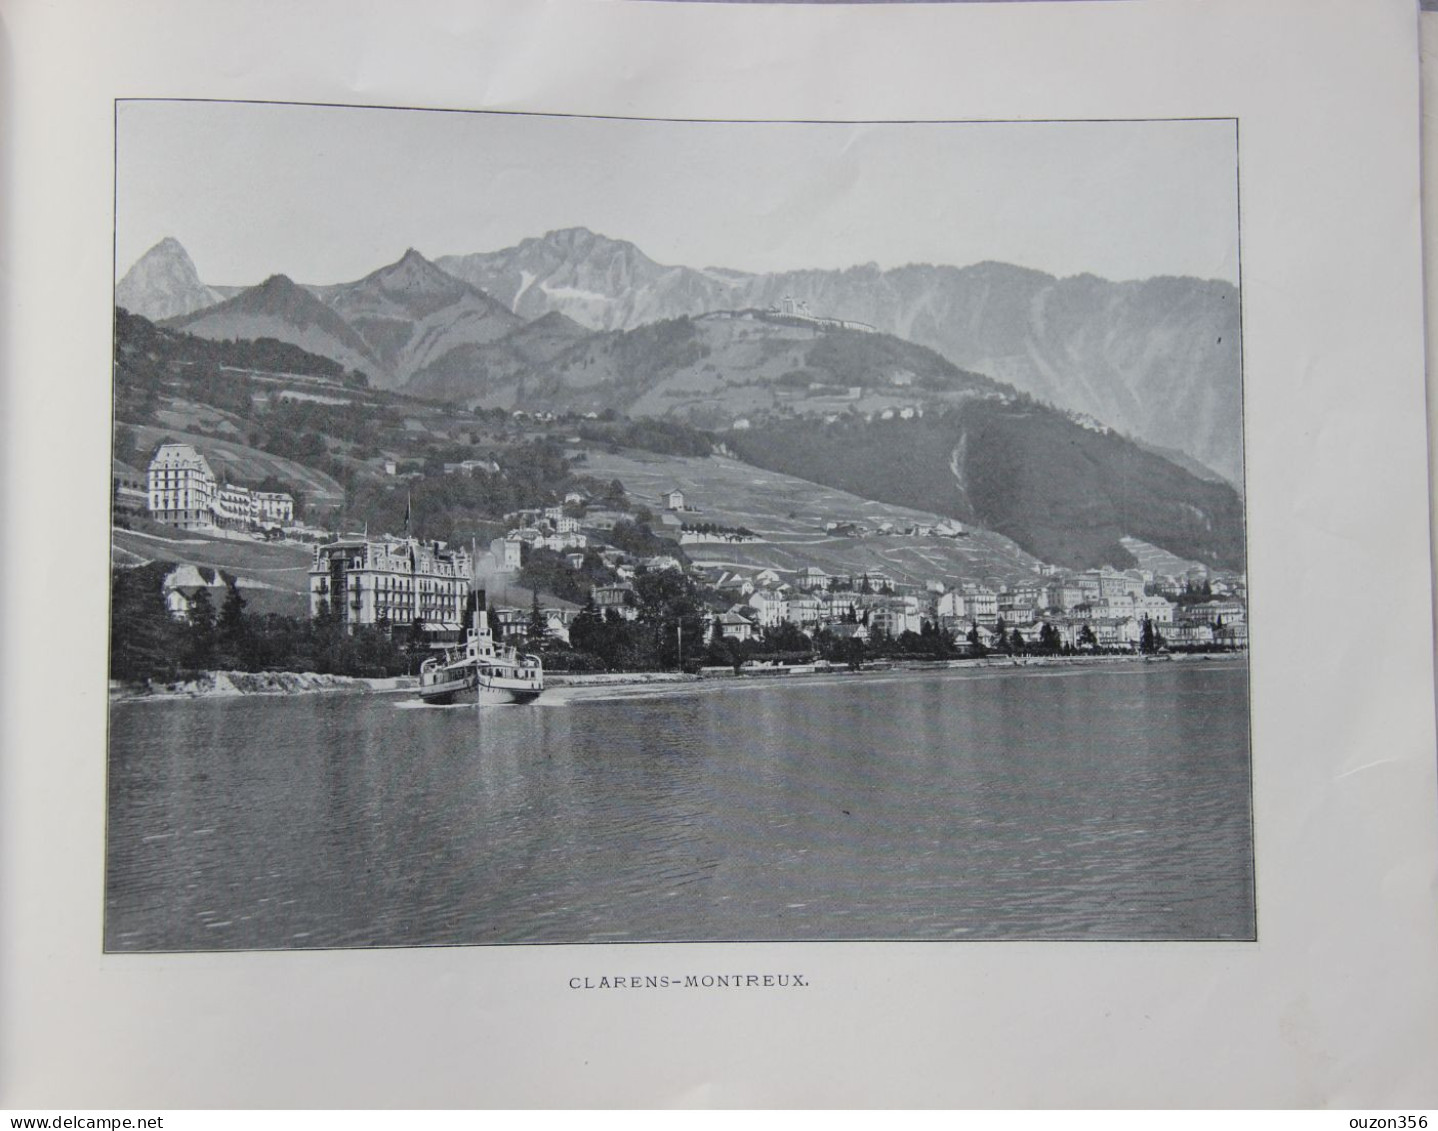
pixel 182 487
pixel 184 492
pixel 394 581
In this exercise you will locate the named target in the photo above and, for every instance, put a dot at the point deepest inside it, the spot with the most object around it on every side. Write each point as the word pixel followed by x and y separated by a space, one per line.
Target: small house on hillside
pixel 733 626
pixel 183 585
pixel 674 500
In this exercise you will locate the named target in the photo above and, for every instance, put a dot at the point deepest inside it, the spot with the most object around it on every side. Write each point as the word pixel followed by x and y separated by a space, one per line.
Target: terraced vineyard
pixel 790 515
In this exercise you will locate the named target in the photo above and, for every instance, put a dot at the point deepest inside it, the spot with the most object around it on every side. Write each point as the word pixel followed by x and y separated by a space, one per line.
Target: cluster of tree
pixel 716 528
pixel 206 383
pixel 354 422
pixel 550 572
pixel 126 448
pixel 148 643
pixel 852 358
pixel 613 496
pixel 650 642
pixel 1044 640
pixel 666 633
pixel 781 644
pixel 307 448
pixel 457 508
pixel 666 437
pixel 151 359
pixel 638 539
pixel 644 354
pixel 136 334
pixel 1194 593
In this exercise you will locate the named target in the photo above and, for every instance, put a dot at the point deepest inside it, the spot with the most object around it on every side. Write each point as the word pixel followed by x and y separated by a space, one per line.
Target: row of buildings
pixel 182 490
pixel 401 581
pixel 766 601
pixel 539 528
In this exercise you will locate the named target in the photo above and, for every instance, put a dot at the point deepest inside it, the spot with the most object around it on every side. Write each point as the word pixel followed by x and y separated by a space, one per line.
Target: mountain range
pixel 915 430
pixel 1157 359
pixel 282 309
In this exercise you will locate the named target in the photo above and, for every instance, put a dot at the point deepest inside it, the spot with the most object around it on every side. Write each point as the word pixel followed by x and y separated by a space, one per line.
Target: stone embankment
pixel 220 684
pixel 601 679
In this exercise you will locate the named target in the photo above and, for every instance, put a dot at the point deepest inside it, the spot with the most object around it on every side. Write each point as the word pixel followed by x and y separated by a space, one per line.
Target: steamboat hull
pixel 446 693
pixel 493 696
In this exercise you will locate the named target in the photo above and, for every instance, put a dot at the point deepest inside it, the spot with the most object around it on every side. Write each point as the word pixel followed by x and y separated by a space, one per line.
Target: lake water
pixel 1081 802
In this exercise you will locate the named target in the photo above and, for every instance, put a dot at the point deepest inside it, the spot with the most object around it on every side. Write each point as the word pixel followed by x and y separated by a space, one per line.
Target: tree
pixel 1049 639
pixel 1017 641
pixel 668 601
pixel 614 496
pixel 909 642
pixel 786 637
pixel 1086 638
pixel 200 636
pixel 586 633
pixel 622 647
pixel 537 628
pixel 232 631
pixel 127 449
pixel 1147 642
pixel 144 639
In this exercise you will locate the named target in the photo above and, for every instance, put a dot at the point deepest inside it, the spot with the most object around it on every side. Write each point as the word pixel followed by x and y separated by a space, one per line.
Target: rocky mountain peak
pixel 412 272
pixel 163 283
pixel 580 243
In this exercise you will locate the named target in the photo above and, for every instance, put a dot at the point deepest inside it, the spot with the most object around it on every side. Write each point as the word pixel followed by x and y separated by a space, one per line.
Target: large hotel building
pixel 393 581
pixel 183 492
pixel 182 487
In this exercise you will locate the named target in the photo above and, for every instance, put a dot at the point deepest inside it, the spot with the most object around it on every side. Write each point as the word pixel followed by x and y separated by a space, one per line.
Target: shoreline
pixel 233 684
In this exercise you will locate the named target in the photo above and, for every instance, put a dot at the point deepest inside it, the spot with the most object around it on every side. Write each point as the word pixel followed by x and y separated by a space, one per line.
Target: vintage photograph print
pixel 550 529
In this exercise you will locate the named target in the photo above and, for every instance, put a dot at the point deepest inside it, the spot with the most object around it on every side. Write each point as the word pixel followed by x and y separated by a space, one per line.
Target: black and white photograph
pixel 547 529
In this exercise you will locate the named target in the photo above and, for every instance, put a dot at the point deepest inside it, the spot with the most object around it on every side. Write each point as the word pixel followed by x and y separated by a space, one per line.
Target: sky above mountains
pixel 323 193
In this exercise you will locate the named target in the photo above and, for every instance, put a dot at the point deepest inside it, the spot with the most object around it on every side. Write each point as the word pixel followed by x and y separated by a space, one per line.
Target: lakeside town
pixel 625 584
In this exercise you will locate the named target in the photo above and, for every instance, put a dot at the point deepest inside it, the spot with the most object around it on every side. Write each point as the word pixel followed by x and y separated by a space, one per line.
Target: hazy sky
pixel 328 194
